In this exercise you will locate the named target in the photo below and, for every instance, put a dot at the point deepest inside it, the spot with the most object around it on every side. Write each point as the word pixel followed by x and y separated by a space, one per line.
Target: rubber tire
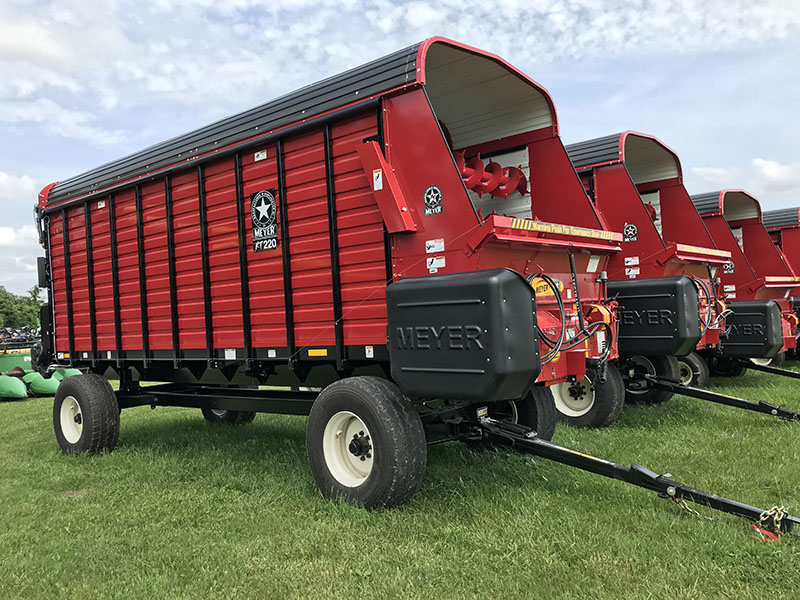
pixel 99 411
pixel 777 361
pixel 665 366
pixel 699 368
pixel 536 410
pixel 397 436
pixel 721 366
pixel 609 399
pixel 229 417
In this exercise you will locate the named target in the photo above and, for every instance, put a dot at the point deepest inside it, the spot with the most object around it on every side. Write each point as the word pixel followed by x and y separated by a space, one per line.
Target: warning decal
pixel 263 210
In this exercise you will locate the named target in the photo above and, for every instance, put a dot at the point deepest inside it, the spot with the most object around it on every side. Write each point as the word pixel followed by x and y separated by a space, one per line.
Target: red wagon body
pixel 757 270
pixel 264 243
pixel 636 182
pixel 783 226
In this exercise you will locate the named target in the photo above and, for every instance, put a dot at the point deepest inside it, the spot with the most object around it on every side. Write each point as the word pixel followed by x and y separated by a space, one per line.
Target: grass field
pixel 184 510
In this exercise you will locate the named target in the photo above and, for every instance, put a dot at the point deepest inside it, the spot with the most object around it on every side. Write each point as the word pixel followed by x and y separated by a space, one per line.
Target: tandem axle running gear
pixel 524 439
pixel 677 387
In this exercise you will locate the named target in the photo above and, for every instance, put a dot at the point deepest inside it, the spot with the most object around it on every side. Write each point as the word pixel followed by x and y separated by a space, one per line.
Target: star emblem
pixel 264 211
pixel 432 197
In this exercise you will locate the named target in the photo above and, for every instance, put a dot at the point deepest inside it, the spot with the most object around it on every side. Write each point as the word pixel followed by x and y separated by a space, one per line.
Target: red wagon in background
pixel 783 226
pixel 636 183
pixel 757 282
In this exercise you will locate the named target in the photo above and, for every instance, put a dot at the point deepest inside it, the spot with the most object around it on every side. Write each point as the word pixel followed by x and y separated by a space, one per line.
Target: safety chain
pixel 770 520
pixel 685 506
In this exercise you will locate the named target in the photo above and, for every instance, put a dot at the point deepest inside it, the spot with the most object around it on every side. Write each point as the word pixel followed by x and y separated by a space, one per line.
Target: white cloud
pixel 761 177
pixel 132 54
pixel 22 237
pixel 772 176
pixel 58 120
pixel 16 188
pixel 19 249
pixel 713 174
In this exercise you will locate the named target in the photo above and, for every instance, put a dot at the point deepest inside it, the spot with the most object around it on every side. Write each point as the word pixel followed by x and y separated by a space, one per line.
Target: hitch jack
pixel 523 439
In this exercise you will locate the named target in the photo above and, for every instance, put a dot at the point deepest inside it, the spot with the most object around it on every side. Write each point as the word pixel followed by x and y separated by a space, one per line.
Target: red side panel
pixel 58 282
pixel 619 203
pixel 362 263
pixel 307 204
pixel 103 280
pixel 128 270
pixel 81 319
pixel 159 306
pixel 557 195
pixel 764 257
pixel 680 222
pixel 223 254
pixel 265 269
pixel 188 266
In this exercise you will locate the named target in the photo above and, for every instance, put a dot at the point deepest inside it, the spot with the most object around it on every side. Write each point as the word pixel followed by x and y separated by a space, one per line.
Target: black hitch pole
pixel 523 439
pixel 761 407
pixel 771 370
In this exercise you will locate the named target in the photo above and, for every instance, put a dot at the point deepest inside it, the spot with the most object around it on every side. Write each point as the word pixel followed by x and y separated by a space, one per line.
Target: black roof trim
pixel 591 152
pixel 708 203
pixel 375 77
pixel 781 217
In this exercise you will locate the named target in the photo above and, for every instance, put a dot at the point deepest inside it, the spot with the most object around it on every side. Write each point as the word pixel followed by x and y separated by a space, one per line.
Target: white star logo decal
pixel 264 210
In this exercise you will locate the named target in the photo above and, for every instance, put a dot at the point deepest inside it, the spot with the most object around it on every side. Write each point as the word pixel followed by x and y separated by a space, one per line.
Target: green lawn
pixel 184 510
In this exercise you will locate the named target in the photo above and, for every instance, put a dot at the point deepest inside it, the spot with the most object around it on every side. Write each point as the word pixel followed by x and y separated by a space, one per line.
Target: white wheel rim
pixel 349 465
pixel 71 420
pixel 219 412
pixel 573 398
pixel 761 362
pixel 642 364
pixel 686 372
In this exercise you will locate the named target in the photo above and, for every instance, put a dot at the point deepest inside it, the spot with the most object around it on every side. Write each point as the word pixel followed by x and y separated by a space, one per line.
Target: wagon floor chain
pixel 523 439
pixel 761 406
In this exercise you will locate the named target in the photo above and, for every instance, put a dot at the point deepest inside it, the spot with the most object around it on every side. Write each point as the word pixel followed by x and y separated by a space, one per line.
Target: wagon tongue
pixel 768 523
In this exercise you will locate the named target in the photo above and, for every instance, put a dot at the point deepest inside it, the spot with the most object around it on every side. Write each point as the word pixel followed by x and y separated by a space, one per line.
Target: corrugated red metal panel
pixel 188 267
pixel 360 237
pixel 81 319
pixel 128 270
pixel 154 221
pixel 103 279
pixel 58 282
pixel 265 269
pixel 307 209
pixel 223 254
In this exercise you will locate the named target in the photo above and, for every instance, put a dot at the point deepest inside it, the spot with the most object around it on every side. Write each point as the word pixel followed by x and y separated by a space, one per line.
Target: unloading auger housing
pixel 326 242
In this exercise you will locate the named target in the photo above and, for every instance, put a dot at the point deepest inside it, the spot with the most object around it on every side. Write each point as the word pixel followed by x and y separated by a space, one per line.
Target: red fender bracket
pixel 386 189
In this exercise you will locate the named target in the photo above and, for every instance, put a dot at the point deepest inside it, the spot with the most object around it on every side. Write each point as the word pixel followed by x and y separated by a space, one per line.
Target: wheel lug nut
pixel 363 458
pixel 368 456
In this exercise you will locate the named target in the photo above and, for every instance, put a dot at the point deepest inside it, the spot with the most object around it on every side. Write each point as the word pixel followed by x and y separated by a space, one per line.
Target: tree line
pixel 19 311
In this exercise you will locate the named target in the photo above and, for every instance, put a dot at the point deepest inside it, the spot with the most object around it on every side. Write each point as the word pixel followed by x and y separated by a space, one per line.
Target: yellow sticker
pixel 317 352
pixel 542 288
pixel 701 250
pixel 529 225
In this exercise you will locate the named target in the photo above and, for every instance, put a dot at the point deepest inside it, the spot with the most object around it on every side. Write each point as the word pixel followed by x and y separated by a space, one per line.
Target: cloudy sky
pixel 84 82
